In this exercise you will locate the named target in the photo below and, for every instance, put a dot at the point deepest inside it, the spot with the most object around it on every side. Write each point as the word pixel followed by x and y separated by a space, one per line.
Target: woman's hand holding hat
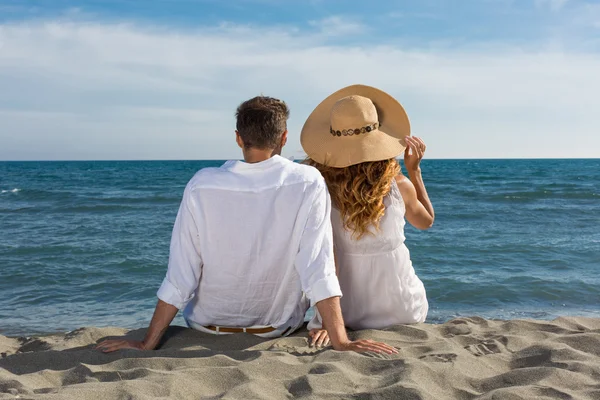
pixel 415 149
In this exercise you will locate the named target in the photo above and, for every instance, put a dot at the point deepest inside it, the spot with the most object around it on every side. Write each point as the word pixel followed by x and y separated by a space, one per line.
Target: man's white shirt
pixel 252 246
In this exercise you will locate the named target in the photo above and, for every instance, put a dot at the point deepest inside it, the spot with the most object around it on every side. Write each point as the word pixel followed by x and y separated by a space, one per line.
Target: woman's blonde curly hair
pixel 357 192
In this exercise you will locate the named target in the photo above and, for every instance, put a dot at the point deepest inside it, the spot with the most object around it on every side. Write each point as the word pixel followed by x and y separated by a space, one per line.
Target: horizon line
pixel 294 159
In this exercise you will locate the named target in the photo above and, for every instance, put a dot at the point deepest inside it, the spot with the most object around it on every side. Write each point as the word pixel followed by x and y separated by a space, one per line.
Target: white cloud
pixel 101 90
pixel 588 14
pixel 414 15
pixel 554 5
pixel 338 26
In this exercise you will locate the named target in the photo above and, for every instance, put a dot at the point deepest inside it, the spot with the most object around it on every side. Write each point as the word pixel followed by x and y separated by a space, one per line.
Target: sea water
pixel 87 243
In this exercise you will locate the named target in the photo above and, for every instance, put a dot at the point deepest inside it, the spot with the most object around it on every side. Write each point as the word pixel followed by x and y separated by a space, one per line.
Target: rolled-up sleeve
pixel 314 262
pixel 185 262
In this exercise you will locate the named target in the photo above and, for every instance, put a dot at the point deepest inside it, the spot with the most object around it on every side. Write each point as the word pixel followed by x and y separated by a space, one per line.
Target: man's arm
pixel 162 318
pixel 182 279
pixel 333 322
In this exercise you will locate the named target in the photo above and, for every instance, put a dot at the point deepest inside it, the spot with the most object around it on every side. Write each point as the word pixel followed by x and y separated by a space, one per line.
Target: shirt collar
pixel 259 166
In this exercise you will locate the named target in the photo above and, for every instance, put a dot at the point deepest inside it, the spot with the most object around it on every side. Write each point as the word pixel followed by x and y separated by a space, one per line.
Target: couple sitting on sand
pixel 256 243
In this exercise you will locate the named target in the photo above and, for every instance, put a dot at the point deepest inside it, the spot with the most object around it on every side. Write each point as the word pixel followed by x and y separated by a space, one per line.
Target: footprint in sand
pixel 484 348
pixel 447 357
pixel 13 387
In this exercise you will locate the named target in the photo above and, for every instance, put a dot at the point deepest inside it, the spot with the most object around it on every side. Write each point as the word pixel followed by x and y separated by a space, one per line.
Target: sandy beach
pixel 465 358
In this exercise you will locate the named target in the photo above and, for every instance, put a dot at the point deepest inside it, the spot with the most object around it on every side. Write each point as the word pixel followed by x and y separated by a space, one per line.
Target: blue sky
pixel 160 79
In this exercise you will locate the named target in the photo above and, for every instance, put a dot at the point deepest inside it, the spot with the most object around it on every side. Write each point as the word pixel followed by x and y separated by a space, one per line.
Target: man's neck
pixel 253 156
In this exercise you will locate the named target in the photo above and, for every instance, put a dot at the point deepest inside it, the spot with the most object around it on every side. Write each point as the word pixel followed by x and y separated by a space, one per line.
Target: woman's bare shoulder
pixel 405 185
pixel 402 180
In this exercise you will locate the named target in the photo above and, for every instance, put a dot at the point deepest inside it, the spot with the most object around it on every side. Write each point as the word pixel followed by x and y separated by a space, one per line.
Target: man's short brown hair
pixel 261 121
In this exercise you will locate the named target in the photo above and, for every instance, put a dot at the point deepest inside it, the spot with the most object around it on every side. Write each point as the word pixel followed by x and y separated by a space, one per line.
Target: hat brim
pixel 380 144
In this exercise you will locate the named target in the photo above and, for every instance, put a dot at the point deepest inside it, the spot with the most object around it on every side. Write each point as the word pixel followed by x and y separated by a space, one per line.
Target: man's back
pixel 244 225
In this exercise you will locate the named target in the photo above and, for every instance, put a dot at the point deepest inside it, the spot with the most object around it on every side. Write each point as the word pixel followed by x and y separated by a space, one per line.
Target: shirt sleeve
pixel 185 263
pixel 314 262
pixel 316 322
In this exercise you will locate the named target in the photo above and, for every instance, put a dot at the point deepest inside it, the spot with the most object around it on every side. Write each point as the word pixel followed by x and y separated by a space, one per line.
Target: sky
pixel 160 79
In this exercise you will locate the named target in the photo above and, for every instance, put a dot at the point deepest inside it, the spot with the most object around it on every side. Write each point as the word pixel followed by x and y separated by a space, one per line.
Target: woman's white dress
pixel 379 284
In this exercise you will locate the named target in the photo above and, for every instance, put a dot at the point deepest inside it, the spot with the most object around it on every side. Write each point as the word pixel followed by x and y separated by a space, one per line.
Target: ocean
pixel 86 243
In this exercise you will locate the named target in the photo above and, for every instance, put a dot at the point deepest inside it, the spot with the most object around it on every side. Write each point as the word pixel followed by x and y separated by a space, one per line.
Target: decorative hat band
pixel 357 131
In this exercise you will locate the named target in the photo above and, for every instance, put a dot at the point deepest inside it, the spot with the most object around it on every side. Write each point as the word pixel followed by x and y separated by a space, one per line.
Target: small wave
pixel 16 190
pixel 531 196
pixel 95 208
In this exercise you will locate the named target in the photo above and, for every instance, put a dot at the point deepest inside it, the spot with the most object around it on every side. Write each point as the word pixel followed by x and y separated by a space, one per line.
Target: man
pixel 252 244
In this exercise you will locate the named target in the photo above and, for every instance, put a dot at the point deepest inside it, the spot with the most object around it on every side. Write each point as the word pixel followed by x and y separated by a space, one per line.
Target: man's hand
pixel 333 322
pixel 363 345
pixel 108 346
pixel 320 337
pixel 163 316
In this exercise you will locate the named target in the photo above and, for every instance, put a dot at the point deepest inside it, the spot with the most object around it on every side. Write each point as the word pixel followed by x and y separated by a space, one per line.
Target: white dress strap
pixel 395 194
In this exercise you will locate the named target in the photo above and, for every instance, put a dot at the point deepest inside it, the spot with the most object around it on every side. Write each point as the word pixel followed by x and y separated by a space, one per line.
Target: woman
pixel 353 137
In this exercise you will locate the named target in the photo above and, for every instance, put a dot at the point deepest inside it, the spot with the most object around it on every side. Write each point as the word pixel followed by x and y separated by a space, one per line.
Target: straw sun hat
pixel 354 125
